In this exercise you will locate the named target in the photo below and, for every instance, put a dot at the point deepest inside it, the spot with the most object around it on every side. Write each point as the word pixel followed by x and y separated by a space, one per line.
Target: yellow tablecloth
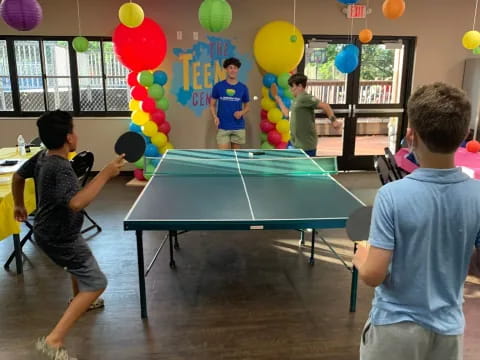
pixel 8 225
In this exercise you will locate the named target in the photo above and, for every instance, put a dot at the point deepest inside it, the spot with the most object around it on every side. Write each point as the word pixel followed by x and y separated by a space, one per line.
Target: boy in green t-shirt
pixel 302 114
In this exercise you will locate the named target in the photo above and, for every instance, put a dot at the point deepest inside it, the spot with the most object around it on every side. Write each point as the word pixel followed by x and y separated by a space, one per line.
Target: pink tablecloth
pixel 464 158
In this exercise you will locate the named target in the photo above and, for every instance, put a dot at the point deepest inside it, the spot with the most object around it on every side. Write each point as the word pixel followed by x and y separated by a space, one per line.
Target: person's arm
pixel 213 111
pixel 372 264
pixel 18 187
pixel 239 114
pixel 278 100
pixel 85 196
pixel 327 109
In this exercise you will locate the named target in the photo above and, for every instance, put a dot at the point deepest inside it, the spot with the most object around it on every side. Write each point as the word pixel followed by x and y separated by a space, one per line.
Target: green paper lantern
pixel 156 91
pixel 215 15
pixel 476 51
pixel 145 78
pixel 80 44
pixel 163 104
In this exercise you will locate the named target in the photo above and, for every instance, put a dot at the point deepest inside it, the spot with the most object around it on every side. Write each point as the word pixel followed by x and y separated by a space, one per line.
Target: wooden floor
pixel 234 295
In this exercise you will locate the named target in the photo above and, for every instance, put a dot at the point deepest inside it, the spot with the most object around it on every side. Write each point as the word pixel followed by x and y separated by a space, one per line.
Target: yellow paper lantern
pixel 131 14
pixel 471 39
pixel 150 128
pixel 140 117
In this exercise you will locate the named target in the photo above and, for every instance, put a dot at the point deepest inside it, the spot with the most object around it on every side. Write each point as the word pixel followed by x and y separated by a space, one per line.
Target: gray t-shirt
pixel 55 184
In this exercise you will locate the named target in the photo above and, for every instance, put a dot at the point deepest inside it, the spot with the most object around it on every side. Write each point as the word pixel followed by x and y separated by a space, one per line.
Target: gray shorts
pixel 408 341
pixel 77 259
pixel 231 136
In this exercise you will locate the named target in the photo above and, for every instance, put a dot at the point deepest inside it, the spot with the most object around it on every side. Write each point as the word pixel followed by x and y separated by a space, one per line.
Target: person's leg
pixel 238 138
pixel 223 139
pixel 311 153
pixel 446 347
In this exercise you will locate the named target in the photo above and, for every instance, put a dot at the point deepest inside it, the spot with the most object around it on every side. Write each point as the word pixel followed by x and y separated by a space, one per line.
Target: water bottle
pixel 21 145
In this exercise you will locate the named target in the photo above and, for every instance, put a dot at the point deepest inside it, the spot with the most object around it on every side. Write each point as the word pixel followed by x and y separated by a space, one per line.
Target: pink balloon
pixel 158 116
pixel 274 137
pixel 282 145
pixel 138 173
pixel 148 105
pixel 164 127
pixel 132 79
pixel 139 92
pixel 266 126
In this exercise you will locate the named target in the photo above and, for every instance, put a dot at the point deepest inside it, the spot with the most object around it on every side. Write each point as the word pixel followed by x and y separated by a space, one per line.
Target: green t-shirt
pixel 302 122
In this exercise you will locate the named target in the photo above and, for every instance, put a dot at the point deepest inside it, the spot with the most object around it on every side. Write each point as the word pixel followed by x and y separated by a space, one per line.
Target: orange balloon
pixel 365 36
pixel 393 9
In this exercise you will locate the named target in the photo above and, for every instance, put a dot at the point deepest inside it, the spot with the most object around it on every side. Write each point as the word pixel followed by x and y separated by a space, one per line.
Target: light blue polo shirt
pixel 431 221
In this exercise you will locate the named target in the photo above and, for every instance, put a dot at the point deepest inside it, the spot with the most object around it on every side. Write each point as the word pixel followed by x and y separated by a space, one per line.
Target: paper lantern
pixel 365 36
pixel 80 44
pixel 21 15
pixel 215 15
pixel 131 14
pixel 471 39
pixel 393 9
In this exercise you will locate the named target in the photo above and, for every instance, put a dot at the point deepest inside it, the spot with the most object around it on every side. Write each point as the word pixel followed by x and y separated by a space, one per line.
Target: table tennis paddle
pixel 358 224
pixel 131 144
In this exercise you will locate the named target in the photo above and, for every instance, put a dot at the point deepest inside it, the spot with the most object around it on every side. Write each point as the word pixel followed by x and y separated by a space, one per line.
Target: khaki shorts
pixel 231 136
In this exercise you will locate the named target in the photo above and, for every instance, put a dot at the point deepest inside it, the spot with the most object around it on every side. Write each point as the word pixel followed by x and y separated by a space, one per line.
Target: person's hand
pixel 216 121
pixel 360 256
pixel 337 125
pixel 238 115
pixel 20 213
pixel 114 167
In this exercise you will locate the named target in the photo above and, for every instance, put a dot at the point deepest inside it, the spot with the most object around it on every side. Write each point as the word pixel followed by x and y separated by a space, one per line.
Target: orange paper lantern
pixel 365 36
pixel 393 9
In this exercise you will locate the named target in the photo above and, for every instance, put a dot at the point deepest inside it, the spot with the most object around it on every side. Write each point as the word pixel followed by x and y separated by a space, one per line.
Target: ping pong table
pixel 238 190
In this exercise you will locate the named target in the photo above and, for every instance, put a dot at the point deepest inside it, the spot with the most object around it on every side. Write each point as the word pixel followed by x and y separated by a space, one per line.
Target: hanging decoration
pixel 393 9
pixel 21 15
pixel 80 43
pixel 471 39
pixel 215 15
pixel 131 14
pixel 365 35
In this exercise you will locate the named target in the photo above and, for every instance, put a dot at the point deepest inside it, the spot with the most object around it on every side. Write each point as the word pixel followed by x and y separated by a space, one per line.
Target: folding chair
pixel 383 170
pixel 397 171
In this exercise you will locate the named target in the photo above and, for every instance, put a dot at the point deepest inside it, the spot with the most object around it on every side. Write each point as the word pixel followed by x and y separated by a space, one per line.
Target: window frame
pixel 74 77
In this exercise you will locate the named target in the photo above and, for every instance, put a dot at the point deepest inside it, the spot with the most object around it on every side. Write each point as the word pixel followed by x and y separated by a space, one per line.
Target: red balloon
pixel 132 79
pixel 282 145
pixel 138 92
pixel 274 137
pixel 158 116
pixel 266 126
pixel 264 115
pixel 138 173
pixel 164 127
pixel 148 105
pixel 141 48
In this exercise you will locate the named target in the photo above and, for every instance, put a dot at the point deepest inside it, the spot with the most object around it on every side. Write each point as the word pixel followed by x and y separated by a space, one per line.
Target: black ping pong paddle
pixel 131 144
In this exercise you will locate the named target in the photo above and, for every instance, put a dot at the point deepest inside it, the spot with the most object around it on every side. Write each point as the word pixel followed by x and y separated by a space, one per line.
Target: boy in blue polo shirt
pixel 232 99
pixel 423 231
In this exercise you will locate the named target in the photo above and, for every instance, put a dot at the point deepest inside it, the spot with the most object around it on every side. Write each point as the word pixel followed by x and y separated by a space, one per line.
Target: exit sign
pixel 356 11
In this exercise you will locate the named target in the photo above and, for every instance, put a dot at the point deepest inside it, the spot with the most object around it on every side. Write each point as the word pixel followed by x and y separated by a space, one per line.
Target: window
pixel 38 74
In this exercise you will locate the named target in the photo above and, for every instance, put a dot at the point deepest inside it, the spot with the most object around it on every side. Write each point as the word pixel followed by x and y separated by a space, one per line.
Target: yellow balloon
pixel 265 92
pixel 159 140
pixel 150 128
pixel 134 105
pixel 267 103
pixel 131 14
pixel 140 117
pixel 283 126
pixel 71 155
pixel 274 115
pixel 471 39
pixel 167 146
pixel 285 137
pixel 278 47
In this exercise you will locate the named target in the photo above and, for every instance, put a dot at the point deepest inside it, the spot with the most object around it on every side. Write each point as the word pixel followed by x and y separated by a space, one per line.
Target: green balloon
pixel 148 173
pixel 263 137
pixel 156 91
pixel 80 44
pixel 139 164
pixel 145 78
pixel 282 80
pixel 267 146
pixel 288 93
pixel 163 104
pixel 476 51
pixel 215 15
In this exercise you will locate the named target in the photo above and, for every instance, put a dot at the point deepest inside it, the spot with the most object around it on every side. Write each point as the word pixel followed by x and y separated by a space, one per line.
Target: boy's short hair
pixel 440 114
pixel 298 79
pixel 232 61
pixel 53 127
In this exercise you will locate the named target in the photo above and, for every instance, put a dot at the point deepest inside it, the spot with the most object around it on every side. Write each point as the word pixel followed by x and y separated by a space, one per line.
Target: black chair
pixel 82 164
pixel 396 170
pixel 383 170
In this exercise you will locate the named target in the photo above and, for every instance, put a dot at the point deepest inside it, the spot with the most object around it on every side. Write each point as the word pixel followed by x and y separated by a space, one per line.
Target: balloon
pixel 280 93
pixel 138 92
pixel 471 39
pixel 283 126
pixel 274 115
pixel 133 105
pixel 365 36
pixel 159 140
pixel 158 117
pixel 148 105
pixel 150 128
pixel 393 9
pixel 156 91
pixel 163 103
pixel 288 93
pixel 131 14
pixel 267 103
pixel 285 137
pixel 269 79
pixel 145 78
pixel 150 170
pixel 151 151
pixel 476 51
pixel 287 102
pixel 138 174
pixel 140 117
pixel 267 146
pixel 266 126
pixel 263 137
pixel 265 91
pixel 278 47
pixel 140 48
pixel 346 62
pixel 140 163
pixel 164 127
pixel 168 146
pixel 145 137
pixel 283 80
pixel 274 137
pixel 281 145
pixel 215 15
pixel 80 44
pixel 351 49
pixel 348 2
pixel 263 114
pixel 134 127
pixel 132 78
pixel 160 77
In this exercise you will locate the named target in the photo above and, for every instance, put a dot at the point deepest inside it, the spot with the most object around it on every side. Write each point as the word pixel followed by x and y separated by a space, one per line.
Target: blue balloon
pixel 147 139
pixel 287 102
pixel 269 79
pixel 348 2
pixel 134 127
pixel 160 77
pixel 151 151
pixel 280 92
pixel 352 49
pixel 346 62
pixel 154 162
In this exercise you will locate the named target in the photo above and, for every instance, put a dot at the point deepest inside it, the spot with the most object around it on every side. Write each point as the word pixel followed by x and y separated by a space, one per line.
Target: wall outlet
pixel 179 35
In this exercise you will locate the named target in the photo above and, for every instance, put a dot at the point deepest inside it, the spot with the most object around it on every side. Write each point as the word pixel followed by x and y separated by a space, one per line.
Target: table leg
pixel 18 253
pixel 141 275
pixel 312 250
pixel 354 285
pixel 171 236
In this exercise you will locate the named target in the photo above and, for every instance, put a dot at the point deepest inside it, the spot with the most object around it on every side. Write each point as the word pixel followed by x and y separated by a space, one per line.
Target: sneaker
pixel 52 353
pixel 97 304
